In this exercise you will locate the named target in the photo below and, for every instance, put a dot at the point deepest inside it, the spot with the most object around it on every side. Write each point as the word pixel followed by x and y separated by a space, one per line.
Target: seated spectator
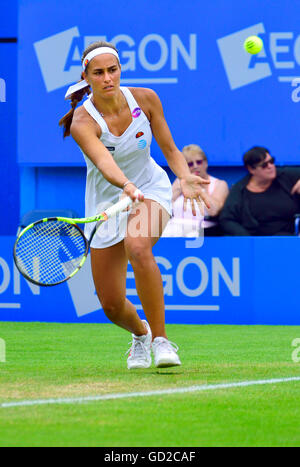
pixel 265 201
pixel 183 223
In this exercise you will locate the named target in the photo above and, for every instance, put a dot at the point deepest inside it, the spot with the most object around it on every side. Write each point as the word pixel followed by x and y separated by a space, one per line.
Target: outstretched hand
pixel 193 190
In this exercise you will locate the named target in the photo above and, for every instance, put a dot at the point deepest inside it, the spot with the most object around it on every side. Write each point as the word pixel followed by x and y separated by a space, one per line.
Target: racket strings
pixel 50 252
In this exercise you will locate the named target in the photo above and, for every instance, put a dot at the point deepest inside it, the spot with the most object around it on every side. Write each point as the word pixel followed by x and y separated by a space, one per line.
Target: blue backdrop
pixel 226 281
pixel 9 171
pixel 213 93
pixel 191 53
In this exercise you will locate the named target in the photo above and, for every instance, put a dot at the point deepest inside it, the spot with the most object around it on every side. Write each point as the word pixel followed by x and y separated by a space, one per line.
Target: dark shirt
pixel 274 210
pixel 241 215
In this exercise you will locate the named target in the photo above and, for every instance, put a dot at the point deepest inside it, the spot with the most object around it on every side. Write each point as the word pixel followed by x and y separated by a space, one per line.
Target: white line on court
pixel 127 395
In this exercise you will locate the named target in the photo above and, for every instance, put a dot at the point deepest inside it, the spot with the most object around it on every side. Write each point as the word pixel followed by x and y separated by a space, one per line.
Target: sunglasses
pixel 264 165
pixel 197 162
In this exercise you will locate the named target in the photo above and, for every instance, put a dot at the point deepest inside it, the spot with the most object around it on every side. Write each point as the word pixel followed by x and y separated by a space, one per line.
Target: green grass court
pixel 73 360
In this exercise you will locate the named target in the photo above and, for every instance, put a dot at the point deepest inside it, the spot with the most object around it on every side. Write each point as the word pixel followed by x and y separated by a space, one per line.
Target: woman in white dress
pixel 183 222
pixel 113 129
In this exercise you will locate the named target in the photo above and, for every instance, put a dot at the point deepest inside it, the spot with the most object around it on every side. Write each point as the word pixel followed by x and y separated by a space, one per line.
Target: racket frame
pixel 52 219
pixel 99 218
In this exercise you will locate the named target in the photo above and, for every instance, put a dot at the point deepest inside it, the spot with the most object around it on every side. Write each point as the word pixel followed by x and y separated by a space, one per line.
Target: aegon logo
pixel 176 282
pixel 2 90
pixel 281 51
pixel 59 56
pixel 185 280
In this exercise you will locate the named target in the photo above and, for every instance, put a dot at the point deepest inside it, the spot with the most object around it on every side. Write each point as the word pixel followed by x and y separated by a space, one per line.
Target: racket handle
pixel 123 204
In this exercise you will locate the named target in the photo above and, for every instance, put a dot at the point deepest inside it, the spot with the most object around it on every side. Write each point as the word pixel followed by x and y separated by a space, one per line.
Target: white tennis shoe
pixel 165 353
pixel 140 350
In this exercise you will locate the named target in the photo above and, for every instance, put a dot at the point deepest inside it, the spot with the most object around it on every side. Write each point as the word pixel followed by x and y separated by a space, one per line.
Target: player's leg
pixel 145 226
pixel 109 267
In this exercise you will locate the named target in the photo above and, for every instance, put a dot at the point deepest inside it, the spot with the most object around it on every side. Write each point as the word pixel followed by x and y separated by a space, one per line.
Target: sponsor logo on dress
pixel 142 144
pixel 136 112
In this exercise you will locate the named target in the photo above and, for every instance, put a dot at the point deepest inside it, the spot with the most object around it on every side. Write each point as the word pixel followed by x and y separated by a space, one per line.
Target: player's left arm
pixel 190 184
pixel 163 136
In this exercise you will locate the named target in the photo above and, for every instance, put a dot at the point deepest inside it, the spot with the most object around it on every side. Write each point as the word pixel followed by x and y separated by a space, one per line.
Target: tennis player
pixel 113 129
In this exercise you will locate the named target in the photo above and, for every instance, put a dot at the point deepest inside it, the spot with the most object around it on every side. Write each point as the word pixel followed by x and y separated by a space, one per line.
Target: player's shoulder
pixel 148 100
pixel 80 113
pixel 144 93
pixel 82 121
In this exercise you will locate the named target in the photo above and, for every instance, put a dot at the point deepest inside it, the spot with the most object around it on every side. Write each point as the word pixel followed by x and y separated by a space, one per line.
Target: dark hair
pixel 255 155
pixel 77 96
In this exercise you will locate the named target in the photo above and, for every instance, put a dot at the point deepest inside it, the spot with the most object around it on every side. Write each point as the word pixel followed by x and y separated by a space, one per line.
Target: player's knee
pixel 139 255
pixel 112 307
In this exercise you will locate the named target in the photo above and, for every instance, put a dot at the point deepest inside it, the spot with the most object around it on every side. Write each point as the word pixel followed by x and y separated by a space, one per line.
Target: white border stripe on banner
pixel 126 395
pixel 149 81
pixel 186 307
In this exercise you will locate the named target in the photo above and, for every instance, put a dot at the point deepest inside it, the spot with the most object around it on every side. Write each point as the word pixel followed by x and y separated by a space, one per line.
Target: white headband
pixel 98 51
pixel 83 84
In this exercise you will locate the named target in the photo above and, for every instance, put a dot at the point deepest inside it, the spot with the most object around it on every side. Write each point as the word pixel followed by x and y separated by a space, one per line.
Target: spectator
pixel 265 201
pixel 183 223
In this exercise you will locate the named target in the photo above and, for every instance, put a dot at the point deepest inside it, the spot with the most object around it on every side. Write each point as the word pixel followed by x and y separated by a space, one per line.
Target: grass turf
pixel 70 360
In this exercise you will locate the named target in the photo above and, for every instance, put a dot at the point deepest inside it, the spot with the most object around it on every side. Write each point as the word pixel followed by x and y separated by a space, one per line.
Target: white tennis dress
pixel 131 151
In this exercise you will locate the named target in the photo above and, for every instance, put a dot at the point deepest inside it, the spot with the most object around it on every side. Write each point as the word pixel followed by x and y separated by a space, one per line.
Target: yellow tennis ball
pixel 253 44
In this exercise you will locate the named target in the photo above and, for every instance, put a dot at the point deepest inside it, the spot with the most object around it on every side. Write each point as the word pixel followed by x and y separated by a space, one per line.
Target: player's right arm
pixel 86 132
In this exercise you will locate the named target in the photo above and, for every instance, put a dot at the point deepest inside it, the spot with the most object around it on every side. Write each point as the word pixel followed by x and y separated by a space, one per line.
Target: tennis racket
pixel 52 250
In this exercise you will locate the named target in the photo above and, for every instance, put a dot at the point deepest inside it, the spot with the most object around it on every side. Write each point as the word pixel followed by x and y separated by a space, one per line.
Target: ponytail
pixel 66 120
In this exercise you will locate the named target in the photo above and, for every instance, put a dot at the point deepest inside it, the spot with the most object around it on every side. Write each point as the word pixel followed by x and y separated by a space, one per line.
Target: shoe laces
pixel 137 349
pixel 165 345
